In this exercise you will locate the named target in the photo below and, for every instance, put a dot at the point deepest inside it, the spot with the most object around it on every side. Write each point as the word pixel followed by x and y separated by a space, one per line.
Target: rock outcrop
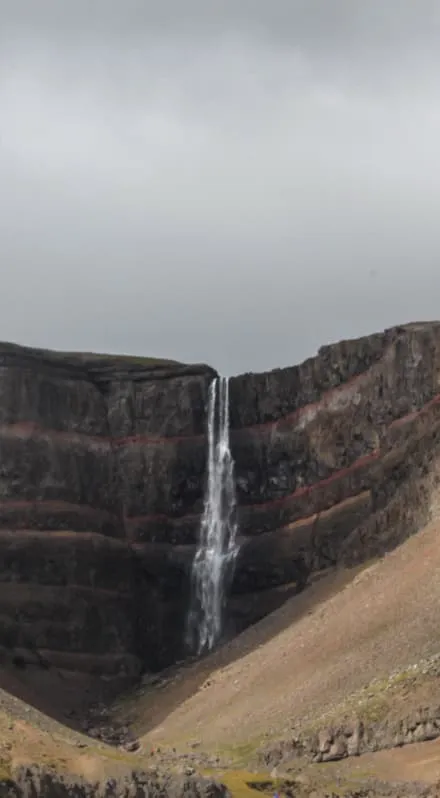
pixel 354 738
pixel 27 782
pixel 102 468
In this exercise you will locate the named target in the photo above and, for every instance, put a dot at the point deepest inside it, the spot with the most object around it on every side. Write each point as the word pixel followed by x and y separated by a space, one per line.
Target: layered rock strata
pixel 102 470
pixel 336 459
pixel 94 453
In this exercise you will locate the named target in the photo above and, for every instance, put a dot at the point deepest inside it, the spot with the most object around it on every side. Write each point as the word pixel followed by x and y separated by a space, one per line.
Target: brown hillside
pixel 385 619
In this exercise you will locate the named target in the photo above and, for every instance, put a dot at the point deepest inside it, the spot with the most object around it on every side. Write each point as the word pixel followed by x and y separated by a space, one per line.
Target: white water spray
pixel 213 564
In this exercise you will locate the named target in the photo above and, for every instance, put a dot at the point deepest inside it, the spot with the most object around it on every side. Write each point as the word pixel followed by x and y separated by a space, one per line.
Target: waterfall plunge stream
pixel 213 564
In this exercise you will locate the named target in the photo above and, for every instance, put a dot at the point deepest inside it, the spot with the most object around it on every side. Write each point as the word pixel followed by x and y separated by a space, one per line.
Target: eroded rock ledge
pixel 332 743
pixel 376 718
pixel 27 782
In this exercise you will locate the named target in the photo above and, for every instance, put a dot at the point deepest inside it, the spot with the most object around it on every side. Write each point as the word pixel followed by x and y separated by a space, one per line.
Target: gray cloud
pixel 299 22
pixel 237 187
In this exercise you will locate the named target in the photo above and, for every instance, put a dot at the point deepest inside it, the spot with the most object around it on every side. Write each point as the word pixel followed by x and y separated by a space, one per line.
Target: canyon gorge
pixel 103 474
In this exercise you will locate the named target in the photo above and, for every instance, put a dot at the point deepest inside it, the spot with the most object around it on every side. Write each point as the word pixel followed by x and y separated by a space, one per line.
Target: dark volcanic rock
pixel 102 472
pixel 95 453
pixel 336 459
pixel 28 782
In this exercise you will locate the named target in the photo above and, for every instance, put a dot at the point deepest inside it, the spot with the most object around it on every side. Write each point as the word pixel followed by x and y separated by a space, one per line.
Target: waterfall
pixel 213 564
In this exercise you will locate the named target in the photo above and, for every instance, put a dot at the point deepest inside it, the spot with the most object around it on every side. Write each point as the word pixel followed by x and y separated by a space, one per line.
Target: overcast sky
pixel 234 181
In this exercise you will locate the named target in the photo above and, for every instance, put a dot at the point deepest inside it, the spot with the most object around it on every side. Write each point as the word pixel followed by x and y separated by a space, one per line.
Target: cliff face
pixel 102 468
pixel 336 459
pixel 96 455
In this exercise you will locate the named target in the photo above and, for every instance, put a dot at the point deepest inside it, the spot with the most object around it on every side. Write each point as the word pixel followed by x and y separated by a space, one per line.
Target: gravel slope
pixel 387 617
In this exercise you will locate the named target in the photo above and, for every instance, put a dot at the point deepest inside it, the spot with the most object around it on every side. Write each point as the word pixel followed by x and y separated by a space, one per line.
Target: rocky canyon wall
pixel 336 459
pixel 102 469
pixel 97 457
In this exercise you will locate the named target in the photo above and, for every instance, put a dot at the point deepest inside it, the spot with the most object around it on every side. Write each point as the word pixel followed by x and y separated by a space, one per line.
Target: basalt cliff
pixel 102 474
